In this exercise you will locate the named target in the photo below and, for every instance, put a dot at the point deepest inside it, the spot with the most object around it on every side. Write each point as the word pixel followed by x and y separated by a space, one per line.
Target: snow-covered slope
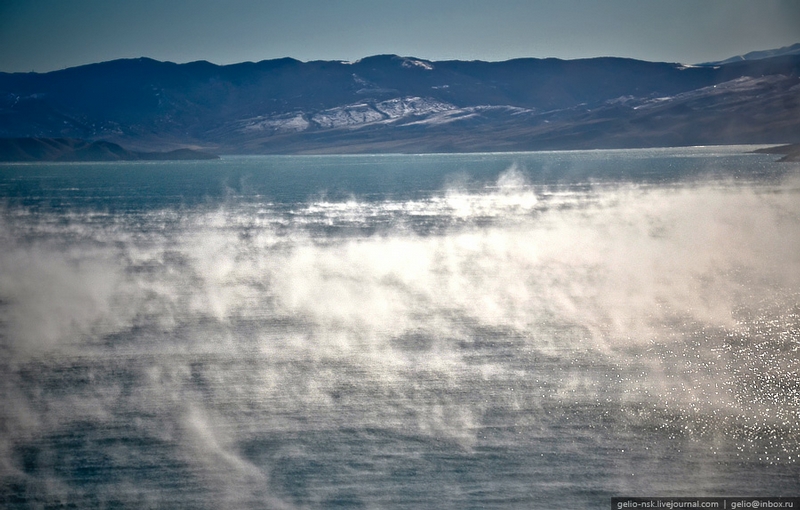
pixel 351 115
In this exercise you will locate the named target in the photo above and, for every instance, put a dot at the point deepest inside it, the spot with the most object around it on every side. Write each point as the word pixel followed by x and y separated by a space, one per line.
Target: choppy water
pixel 542 330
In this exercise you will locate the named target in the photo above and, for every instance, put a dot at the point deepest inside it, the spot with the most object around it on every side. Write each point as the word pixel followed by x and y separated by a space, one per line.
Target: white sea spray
pixel 225 336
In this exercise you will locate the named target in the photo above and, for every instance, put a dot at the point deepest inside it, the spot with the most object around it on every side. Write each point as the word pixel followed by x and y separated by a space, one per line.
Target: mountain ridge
pixel 389 103
pixel 793 49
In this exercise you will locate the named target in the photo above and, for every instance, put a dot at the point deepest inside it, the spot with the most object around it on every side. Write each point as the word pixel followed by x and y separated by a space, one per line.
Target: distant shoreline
pixel 791 152
pixel 66 150
pixel 747 148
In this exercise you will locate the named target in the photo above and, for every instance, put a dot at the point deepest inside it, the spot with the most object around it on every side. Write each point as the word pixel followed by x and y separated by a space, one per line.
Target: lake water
pixel 531 330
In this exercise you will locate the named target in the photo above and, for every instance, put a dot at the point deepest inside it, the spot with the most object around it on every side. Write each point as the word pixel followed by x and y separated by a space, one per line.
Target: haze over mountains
pixel 388 103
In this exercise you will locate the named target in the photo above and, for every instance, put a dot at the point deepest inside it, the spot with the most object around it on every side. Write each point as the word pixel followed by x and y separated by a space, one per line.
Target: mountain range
pixel 388 103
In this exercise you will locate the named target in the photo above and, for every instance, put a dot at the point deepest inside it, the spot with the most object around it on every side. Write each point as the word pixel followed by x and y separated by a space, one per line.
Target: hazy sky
pixel 42 35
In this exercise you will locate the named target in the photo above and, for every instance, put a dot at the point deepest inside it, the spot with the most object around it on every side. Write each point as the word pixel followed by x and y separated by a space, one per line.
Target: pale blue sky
pixel 43 35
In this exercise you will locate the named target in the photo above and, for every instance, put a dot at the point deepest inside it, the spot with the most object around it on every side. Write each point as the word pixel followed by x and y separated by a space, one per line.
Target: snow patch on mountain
pixel 458 114
pixel 412 62
pixel 406 106
pixel 444 118
pixel 739 86
pixel 350 115
pixel 356 115
pixel 288 123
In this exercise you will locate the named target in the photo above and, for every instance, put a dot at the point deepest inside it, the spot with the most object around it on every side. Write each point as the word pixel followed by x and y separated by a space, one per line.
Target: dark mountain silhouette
pixel 388 103
pixel 71 149
pixel 790 152
pixel 794 49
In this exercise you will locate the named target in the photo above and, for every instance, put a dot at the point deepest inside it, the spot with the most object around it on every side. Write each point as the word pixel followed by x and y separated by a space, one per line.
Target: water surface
pixel 527 330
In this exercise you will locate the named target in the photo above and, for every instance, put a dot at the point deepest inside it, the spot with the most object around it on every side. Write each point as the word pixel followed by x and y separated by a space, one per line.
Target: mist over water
pixel 507 331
